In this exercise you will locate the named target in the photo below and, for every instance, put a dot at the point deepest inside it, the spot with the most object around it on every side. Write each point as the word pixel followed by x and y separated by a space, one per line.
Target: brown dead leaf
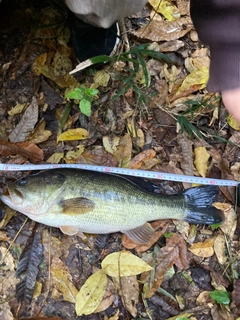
pixel 130 244
pixel 97 156
pixel 175 252
pixel 124 151
pixel 235 305
pixel 108 297
pixel 171 46
pixel 39 134
pixel 26 149
pixel 26 124
pixel 141 158
pixel 187 155
pixel 164 30
pixel 128 288
pixel 3 236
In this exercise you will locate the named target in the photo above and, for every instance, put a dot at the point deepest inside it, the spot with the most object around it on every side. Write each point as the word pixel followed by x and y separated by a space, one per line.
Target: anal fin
pixel 69 230
pixel 141 234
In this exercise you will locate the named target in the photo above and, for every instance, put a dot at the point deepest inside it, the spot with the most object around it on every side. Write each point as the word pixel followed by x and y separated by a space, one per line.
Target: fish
pixel 81 201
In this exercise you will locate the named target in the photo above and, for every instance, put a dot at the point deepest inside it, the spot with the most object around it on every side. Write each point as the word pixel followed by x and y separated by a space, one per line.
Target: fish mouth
pixel 14 195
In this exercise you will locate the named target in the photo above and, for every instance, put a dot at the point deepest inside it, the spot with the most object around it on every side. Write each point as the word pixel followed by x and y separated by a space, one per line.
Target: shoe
pixel 89 41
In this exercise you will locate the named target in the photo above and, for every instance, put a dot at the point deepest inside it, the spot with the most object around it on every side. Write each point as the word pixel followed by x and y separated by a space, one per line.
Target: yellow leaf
pixel 197 77
pixel 73 155
pixel 101 78
pixel 110 143
pixel 17 109
pixel 123 264
pixel 232 122
pixel 56 157
pixel 166 8
pixel 90 295
pixel 201 160
pixel 203 249
pixel 61 278
pixel 73 134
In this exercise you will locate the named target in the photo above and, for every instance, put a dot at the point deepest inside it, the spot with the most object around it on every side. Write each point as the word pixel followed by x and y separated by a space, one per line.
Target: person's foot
pixel 89 41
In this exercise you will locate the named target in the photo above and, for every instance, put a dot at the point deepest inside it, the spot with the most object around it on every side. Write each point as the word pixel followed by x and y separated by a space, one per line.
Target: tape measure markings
pixel 123 171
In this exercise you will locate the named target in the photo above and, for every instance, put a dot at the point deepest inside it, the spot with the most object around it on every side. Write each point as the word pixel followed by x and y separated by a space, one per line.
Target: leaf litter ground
pixel 149 114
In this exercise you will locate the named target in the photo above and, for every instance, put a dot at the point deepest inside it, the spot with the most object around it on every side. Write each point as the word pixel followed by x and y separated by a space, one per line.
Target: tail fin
pixel 199 202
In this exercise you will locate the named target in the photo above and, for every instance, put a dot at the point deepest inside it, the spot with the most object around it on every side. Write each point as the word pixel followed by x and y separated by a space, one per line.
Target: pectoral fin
pixel 142 234
pixel 70 231
pixel 77 205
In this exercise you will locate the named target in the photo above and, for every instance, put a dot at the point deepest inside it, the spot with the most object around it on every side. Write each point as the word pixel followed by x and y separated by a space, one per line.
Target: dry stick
pixel 11 244
pixel 123 31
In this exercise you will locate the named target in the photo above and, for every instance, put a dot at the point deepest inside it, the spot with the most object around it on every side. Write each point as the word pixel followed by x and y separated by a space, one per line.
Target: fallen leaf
pixel 8 258
pixel 124 151
pixel 130 244
pixel 139 160
pixel 98 156
pixel 17 109
pixel 108 298
pixel 73 134
pixel 164 30
pixel 91 293
pixel 39 134
pixel 201 160
pixel 124 263
pixel 230 223
pixel 175 252
pixel 111 143
pixel 71 155
pixel 197 77
pixel 128 288
pixel 26 149
pixel 232 122
pixel 166 8
pixel 219 248
pixel 62 280
pixel 56 157
pixel 26 124
pixel 101 78
pixel 5 311
pixel 203 249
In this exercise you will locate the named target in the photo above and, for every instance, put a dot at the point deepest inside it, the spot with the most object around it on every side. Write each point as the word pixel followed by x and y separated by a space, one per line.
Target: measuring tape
pixel 123 171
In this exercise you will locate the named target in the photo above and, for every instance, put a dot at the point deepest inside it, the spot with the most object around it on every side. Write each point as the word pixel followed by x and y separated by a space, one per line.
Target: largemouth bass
pixel 86 201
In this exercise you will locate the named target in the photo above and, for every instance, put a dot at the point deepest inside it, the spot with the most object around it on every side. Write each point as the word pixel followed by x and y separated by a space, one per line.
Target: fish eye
pixel 22 182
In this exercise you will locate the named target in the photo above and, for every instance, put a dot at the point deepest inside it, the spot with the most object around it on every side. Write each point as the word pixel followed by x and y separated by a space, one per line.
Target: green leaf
pixel 77 94
pixel 91 92
pixel 85 107
pixel 221 297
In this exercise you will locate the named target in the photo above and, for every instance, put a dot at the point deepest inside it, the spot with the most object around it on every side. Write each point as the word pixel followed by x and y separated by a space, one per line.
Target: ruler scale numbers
pixel 122 171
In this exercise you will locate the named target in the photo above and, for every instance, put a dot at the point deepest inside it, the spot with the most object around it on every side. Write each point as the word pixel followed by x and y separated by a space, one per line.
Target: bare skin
pixel 231 99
